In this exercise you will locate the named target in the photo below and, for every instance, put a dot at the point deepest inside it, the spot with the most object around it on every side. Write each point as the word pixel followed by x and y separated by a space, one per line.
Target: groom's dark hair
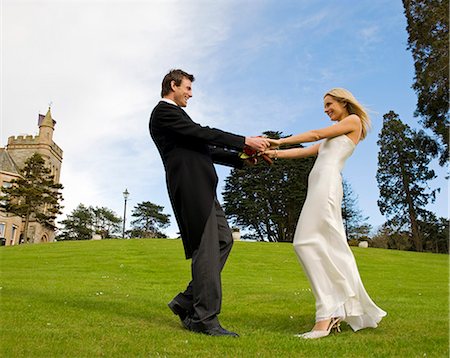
pixel 174 75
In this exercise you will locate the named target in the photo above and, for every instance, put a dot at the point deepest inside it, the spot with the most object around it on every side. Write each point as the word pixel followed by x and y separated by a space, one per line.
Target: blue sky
pixel 259 65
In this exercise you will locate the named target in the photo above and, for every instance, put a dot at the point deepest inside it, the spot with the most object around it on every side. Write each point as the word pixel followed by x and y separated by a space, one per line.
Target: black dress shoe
pixel 220 331
pixel 177 309
pixel 216 331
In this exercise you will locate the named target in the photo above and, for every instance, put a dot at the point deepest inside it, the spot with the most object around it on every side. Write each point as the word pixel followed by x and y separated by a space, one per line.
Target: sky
pixel 259 65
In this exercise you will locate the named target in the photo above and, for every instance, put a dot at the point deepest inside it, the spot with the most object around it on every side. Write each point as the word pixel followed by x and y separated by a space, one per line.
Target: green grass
pixel 109 299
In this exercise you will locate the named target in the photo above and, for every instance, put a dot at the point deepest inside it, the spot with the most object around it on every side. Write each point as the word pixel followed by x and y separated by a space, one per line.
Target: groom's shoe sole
pixel 177 309
pixel 217 331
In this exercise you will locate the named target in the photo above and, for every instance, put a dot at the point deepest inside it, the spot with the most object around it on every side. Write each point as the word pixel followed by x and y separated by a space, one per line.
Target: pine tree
pixel 403 175
pixel 435 233
pixel 149 220
pixel 267 200
pixel 428 41
pixel 105 222
pixel 83 222
pixel 78 225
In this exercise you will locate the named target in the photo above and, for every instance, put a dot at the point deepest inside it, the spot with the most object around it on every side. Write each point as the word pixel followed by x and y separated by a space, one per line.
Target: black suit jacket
pixel 188 152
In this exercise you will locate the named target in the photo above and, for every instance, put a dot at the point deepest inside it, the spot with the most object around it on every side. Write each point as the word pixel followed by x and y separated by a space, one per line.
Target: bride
pixel 319 241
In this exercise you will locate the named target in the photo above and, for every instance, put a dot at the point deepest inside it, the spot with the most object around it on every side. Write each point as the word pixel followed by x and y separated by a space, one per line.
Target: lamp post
pixel 126 194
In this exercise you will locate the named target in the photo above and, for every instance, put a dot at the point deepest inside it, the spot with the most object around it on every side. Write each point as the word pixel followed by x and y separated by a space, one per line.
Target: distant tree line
pixel 85 222
pixel 148 221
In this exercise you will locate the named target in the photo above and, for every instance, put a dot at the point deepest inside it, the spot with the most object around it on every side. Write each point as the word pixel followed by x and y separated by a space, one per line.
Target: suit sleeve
pixel 176 120
pixel 226 157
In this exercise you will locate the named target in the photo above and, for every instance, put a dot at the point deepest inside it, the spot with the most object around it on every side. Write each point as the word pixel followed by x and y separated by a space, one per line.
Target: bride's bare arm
pixel 293 153
pixel 345 126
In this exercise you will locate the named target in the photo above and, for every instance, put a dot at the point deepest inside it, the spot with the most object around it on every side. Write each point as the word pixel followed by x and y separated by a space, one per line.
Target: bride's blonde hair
pixel 353 107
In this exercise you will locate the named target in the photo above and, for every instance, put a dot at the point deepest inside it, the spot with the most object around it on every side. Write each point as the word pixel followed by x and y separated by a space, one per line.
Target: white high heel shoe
pixel 335 324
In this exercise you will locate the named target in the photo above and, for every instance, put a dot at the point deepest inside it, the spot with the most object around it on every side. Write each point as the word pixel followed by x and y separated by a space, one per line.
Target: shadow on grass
pixel 105 310
pixel 100 306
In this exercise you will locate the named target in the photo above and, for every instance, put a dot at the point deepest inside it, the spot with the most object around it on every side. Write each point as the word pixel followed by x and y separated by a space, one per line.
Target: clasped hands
pixel 263 147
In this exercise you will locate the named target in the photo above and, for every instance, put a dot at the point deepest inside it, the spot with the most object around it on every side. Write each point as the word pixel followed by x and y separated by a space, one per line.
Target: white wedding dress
pixel 321 244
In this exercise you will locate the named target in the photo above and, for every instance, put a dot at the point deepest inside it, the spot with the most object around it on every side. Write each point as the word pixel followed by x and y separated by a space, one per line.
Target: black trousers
pixel 203 295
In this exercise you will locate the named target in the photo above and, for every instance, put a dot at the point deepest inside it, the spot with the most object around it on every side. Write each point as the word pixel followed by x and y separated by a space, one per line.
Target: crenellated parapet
pixel 23 139
pixel 29 141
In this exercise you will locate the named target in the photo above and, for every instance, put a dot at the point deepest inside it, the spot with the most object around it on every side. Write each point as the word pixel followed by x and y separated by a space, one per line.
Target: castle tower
pixel 22 147
pixel 46 127
pixel 12 160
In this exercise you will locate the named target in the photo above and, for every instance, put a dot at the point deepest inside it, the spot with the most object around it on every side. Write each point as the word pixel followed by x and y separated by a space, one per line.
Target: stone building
pixel 12 160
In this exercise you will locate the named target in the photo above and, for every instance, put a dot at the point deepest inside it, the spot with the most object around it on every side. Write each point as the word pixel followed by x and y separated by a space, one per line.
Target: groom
pixel 188 151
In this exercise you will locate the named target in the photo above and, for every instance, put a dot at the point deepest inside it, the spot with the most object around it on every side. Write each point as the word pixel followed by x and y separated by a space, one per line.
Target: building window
pixel 2 230
pixel 4 185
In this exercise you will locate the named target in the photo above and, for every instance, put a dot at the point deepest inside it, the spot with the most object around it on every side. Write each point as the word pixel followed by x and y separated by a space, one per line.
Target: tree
pixel 428 41
pixel 403 175
pixel 78 225
pixel 435 234
pixel 105 222
pixel 388 237
pixel 267 200
pixel 355 224
pixel 34 195
pixel 84 221
pixel 149 220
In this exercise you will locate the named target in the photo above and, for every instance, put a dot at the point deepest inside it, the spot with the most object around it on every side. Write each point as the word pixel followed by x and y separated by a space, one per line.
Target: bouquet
pixel 251 153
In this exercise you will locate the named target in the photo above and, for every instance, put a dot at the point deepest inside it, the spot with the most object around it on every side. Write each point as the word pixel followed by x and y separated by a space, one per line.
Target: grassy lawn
pixel 109 299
